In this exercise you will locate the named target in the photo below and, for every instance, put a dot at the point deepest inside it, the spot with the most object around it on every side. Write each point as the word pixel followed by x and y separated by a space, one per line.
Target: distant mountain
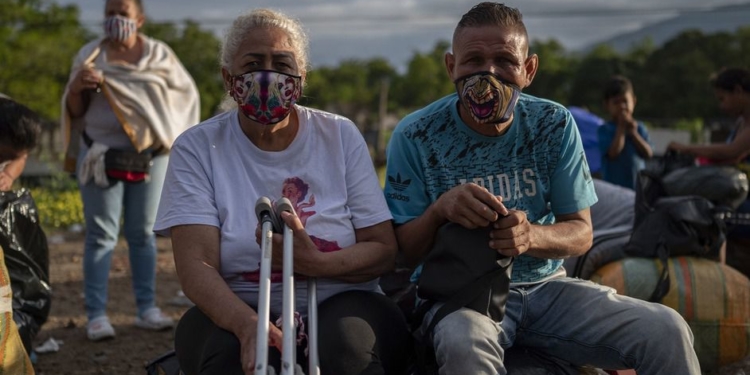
pixel 726 18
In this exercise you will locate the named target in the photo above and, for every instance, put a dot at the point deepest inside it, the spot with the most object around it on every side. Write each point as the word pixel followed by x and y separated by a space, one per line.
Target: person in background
pixel 623 141
pixel 128 96
pixel 490 156
pixel 268 146
pixel 732 89
pixel 19 131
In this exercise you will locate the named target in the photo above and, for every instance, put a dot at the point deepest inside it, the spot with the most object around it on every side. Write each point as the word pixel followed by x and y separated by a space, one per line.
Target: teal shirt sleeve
pixel 405 190
pixel 572 185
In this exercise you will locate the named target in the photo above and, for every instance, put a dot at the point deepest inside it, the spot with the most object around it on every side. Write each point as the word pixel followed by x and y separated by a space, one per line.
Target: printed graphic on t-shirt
pixel 517 169
pixel 296 190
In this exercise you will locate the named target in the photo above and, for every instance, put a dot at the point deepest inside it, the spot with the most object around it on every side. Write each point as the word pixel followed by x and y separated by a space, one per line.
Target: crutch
pixel 289 349
pixel 268 220
pixel 271 220
pixel 312 327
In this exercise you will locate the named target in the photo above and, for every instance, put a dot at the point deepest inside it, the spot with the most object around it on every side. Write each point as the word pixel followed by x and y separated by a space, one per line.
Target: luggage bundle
pixel 669 254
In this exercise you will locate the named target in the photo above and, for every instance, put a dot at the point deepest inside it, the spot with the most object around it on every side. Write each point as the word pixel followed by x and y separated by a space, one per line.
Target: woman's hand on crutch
pixel 248 343
pixel 307 257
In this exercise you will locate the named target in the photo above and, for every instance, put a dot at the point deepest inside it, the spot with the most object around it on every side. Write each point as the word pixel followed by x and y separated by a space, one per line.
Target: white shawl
pixel 154 98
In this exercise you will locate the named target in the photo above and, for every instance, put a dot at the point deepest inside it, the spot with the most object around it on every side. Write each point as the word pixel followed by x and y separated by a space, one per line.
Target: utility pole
pixel 385 84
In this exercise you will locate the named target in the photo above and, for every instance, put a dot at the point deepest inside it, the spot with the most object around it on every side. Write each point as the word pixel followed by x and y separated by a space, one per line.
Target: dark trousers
pixel 359 333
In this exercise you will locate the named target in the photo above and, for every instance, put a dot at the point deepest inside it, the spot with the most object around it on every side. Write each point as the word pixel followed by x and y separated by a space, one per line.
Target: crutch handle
pixel 282 205
pixel 263 209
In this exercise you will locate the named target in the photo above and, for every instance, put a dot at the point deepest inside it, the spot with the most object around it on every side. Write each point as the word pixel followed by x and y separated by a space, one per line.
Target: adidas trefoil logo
pixel 397 184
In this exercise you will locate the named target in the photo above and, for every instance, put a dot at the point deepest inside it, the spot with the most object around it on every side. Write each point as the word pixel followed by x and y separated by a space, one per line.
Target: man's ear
pixel 531 64
pixel 450 63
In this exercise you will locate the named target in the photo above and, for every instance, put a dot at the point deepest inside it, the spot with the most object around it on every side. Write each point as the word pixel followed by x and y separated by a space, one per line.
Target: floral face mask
pixel 488 99
pixel 266 96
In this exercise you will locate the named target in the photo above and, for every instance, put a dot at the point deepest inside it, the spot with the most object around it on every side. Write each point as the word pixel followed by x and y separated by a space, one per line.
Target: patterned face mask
pixel 119 28
pixel 266 96
pixel 488 99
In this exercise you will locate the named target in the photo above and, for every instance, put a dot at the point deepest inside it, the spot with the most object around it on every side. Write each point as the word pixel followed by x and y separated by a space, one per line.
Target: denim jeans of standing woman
pixel 103 208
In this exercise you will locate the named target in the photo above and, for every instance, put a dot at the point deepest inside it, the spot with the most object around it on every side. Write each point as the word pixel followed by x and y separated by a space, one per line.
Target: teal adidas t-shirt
pixel 538 166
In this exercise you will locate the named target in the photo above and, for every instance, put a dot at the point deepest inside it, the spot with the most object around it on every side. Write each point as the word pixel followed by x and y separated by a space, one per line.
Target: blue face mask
pixel 487 98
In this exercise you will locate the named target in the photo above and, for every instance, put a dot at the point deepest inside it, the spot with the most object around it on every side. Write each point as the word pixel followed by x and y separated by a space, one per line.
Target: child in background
pixel 623 141
pixel 732 89
pixel 19 130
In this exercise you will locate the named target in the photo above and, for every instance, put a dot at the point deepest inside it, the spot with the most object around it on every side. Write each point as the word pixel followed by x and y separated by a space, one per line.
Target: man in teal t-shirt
pixel 489 156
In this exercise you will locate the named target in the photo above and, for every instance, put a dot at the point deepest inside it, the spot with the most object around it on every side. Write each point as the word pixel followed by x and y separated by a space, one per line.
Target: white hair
pixel 264 18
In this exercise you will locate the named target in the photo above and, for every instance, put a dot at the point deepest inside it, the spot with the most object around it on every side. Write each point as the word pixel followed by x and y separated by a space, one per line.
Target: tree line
pixel 39 40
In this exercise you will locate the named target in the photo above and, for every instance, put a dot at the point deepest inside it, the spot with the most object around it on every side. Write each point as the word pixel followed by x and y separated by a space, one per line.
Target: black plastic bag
pixel 26 254
pixel 670 161
pixel 723 185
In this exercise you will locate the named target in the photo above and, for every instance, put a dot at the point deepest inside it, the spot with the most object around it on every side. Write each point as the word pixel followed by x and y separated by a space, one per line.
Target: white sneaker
pixel 154 320
pixel 99 329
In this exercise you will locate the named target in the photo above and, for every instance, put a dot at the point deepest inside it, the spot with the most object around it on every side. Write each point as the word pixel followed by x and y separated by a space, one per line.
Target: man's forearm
pixel 561 240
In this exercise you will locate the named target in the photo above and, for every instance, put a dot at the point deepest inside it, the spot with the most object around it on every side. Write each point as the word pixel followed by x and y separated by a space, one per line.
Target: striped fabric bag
pixel 713 298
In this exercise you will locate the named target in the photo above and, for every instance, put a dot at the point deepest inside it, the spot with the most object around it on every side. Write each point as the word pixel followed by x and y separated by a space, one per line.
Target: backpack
pixel 461 270
pixel 667 226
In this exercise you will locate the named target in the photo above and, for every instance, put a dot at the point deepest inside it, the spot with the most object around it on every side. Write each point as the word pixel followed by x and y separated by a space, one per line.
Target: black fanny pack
pixel 128 166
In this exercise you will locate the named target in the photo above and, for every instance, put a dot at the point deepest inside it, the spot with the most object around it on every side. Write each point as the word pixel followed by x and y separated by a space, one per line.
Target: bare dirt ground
pixel 127 353
pixel 133 347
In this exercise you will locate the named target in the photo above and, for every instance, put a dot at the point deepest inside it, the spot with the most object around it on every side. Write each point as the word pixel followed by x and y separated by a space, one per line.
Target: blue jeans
pixel 575 320
pixel 102 210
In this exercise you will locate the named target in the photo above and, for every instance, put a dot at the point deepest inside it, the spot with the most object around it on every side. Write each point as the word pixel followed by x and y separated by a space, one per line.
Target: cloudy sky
pixel 341 29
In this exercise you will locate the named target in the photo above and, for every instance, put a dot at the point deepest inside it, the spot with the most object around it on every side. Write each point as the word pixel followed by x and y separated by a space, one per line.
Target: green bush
pixel 58 202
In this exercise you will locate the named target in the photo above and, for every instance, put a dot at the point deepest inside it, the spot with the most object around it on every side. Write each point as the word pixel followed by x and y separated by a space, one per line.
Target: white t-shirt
pixel 216 174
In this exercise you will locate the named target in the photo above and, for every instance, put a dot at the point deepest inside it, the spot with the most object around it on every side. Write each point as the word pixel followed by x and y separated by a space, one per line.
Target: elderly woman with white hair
pixel 217 171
